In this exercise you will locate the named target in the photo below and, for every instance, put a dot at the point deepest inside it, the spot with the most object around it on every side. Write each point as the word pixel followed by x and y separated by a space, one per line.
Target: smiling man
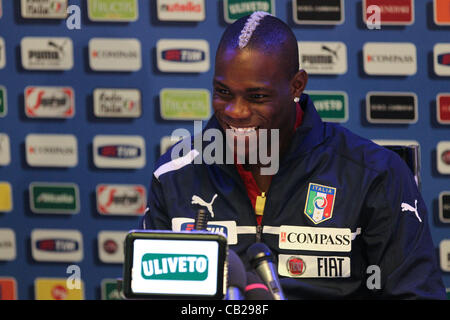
pixel 343 216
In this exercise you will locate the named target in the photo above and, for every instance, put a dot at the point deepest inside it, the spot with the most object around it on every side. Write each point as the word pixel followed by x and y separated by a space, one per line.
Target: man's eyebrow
pixel 217 82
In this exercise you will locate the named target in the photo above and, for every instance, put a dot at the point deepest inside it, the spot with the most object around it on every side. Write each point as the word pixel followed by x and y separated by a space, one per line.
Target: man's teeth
pixel 243 130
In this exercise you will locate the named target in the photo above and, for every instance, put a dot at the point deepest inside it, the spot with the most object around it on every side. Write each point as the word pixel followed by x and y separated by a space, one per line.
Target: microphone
pixel 261 259
pixel 256 289
pixel 201 220
pixel 236 279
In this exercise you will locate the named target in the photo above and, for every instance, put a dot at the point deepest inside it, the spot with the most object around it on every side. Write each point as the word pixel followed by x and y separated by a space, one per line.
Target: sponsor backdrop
pixel 91 90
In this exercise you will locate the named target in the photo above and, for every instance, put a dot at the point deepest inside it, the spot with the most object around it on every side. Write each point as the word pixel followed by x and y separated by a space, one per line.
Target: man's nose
pixel 238 109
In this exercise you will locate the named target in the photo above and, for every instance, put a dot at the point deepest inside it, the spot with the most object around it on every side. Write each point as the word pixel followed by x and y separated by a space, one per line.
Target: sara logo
pixel 57 245
pixel 189 226
pixel 319 202
pixel 119 151
pixel 162 266
pixel 183 55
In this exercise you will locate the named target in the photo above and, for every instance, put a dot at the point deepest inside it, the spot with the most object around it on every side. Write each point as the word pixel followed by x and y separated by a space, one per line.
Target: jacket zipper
pixel 259 210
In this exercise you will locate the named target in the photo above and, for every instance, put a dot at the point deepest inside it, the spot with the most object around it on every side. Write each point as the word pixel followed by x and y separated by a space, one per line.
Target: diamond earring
pixel 296 99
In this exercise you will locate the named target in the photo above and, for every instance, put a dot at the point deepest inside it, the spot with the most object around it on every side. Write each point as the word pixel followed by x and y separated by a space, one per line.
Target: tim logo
pixel 444 59
pixel 119 151
pixel 57 245
pixel 183 55
pixel 189 226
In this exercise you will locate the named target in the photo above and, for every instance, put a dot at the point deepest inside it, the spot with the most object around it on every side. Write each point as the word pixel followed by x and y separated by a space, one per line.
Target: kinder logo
pixel 2 53
pixel 393 12
pixel 117 103
pixel 387 58
pixel 174 267
pixel 5 150
pixel 443 108
pixel 121 199
pixel 57 245
pixel 119 151
pixel 51 150
pixel 183 55
pixel 115 54
pixel 40 53
pixel 188 226
pixel 181 10
pixel 44 9
pixel 323 57
pixel 443 157
pixel 442 59
pixel 49 102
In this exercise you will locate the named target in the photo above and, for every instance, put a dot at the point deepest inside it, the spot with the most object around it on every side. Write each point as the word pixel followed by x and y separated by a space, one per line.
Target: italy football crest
pixel 319 202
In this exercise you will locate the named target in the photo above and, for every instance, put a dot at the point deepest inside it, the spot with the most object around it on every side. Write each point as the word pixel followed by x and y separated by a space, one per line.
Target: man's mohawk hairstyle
pixel 250 26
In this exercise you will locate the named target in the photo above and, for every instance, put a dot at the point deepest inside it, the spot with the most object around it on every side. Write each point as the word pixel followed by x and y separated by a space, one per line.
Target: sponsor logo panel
pixel 391 107
pixel 444 206
pixel 443 157
pixel 5 150
pixel 318 12
pixel 41 53
pixel 227 228
pixel 44 9
pixel 185 104
pixel 110 290
pixel 8 288
pixel 235 9
pixel 3 102
pixel 441 12
pixel 441 53
pixel 57 198
pixel 121 55
pixel 51 150
pixel 2 53
pixel 51 245
pixel 390 58
pixel 6 197
pixel 181 10
pixel 56 289
pixel 393 12
pixel 117 103
pixel 119 152
pixel 183 55
pixel 110 246
pixel 8 247
pixel 443 108
pixel 315 239
pixel 49 102
pixel 121 199
pixel 305 266
pixel 113 10
pixel 444 252
pixel 323 57
pixel 332 106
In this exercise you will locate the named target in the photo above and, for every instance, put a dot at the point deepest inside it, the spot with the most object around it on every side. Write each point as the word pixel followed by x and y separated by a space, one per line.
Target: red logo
pixel 8 289
pixel 399 12
pixel 446 157
pixel 296 266
pixel 283 236
pixel 443 103
pixel 59 292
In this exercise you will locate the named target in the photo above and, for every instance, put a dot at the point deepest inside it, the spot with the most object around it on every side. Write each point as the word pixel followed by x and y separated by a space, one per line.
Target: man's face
pixel 252 92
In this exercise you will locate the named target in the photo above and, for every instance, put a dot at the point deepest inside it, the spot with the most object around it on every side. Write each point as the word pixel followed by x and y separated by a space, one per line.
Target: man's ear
pixel 298 83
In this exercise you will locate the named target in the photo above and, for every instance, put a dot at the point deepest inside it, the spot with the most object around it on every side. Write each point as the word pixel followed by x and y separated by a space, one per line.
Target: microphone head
pixel 236 271
pixel 258 252
pixel 256 289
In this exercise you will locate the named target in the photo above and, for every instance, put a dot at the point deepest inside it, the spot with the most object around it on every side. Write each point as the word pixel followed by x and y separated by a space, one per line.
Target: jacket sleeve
pixel 397 238
pixel 156 215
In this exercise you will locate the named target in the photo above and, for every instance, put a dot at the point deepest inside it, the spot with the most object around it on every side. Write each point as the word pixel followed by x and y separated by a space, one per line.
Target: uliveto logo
pixel 174 267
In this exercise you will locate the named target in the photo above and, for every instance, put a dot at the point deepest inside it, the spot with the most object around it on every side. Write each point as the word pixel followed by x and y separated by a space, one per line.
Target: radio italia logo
pixel 163 266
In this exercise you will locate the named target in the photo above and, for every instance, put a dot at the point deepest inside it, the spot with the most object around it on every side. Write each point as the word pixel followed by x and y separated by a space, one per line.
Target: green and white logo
pixel 113 10
pixel 185 104
pixel 332 106
pixel 160 266
pixel 59 198
pixel 235 9
pixel 3 102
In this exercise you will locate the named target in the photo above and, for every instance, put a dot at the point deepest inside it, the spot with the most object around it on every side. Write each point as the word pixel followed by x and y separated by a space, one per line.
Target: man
pixel 342 215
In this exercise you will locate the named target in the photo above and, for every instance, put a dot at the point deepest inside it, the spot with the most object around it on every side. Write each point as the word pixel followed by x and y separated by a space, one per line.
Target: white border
pixel 317 22
pixel 385 93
